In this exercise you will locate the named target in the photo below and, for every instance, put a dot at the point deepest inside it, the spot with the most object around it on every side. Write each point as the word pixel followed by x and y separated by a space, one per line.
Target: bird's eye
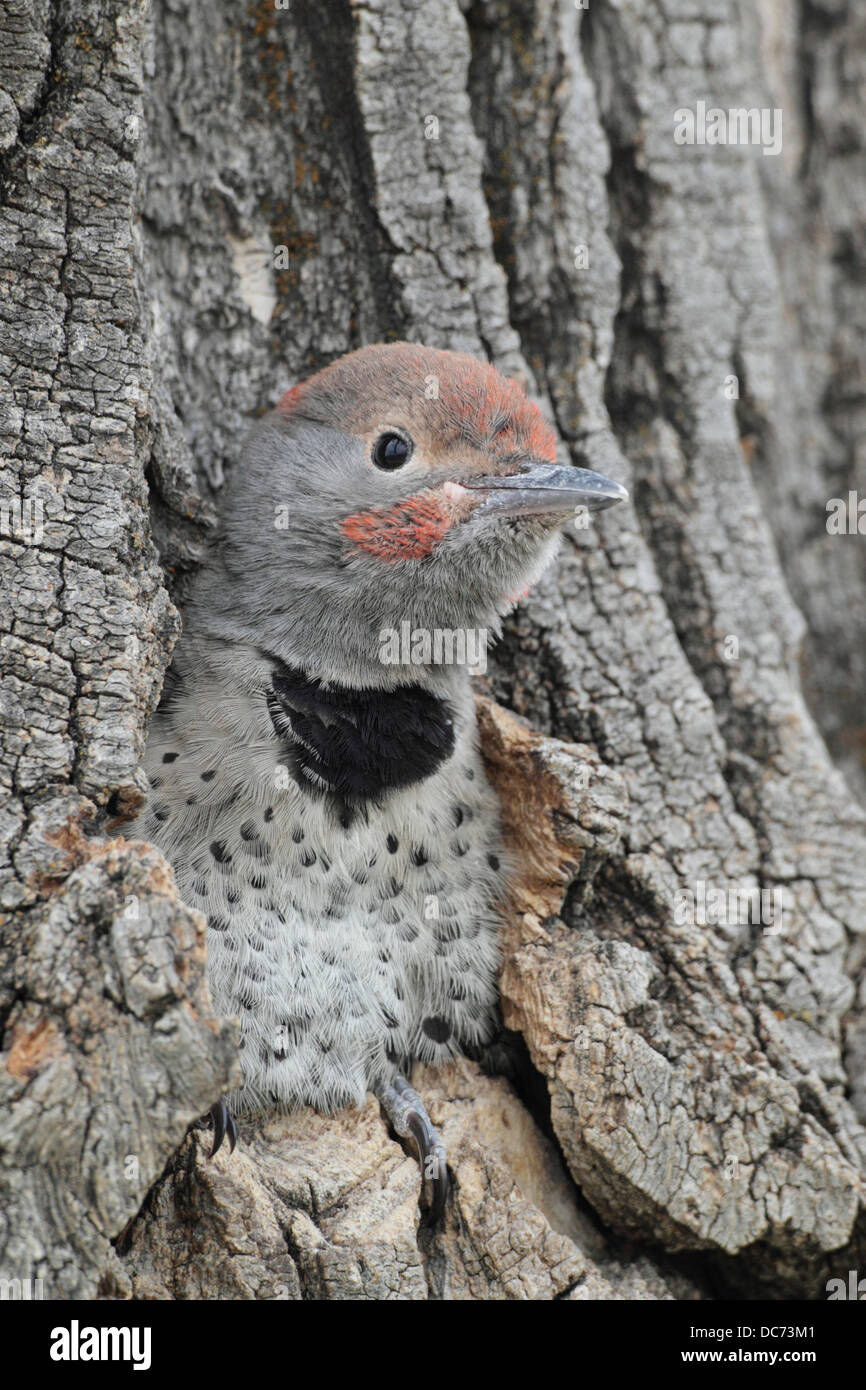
pixel 392 450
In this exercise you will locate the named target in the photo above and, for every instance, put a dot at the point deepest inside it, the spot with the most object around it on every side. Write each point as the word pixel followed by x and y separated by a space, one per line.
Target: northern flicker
pixel 316 781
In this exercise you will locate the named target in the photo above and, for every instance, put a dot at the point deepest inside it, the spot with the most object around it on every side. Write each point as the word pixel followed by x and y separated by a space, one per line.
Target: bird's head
pixel 401 484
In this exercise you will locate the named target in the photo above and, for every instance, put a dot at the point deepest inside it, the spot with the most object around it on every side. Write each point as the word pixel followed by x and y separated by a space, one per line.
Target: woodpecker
pixel 315 776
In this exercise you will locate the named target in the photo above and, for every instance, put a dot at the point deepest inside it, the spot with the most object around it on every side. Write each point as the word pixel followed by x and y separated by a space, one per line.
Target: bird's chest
pixel 397 873
pixel 339 940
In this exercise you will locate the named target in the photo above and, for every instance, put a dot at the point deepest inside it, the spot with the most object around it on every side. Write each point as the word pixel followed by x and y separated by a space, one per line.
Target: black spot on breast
pixel 393 844
pixel 169 757
pixel 308 858
pixel 208 776
pixel 269 813
pixel 447 931
pixel 233 895
pixel 458 815
pixel 218 924
pixel 493 861
pixel 419 856
pixel 161 813
pixel 191 801
pixel 459 848
pixel 219 852
pixel 297 836
pixel 200 887
pixel 248 831
pixel 258 881
pixel 470 775
pixel 156 783
pixel 437 1029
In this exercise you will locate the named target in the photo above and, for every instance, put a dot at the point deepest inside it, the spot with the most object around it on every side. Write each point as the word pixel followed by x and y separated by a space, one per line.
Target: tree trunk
pixel 202 205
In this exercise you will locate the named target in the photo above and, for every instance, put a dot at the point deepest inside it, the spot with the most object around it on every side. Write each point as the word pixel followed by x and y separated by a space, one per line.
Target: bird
pixel 315 777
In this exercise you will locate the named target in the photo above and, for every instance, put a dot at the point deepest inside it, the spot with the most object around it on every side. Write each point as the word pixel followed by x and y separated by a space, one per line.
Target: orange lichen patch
pixel 409 531
pixel 75 849
pixel 70 839
pixel 78 849
pixel 31 1049
pixel 534 815
pixel 66 848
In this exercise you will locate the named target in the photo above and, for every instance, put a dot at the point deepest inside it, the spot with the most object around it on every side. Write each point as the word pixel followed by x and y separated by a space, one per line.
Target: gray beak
pixel 545 488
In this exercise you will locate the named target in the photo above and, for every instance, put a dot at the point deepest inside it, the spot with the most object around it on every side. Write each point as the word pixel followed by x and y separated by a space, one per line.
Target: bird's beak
pixel 545 488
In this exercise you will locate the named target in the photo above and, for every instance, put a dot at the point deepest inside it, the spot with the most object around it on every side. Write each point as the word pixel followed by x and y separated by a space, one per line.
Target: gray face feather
pixel 307 594
pixel 322 551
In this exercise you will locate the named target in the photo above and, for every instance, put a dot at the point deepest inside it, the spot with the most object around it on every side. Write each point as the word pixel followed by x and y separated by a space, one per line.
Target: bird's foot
pixel 407 1113
pixel 223 1123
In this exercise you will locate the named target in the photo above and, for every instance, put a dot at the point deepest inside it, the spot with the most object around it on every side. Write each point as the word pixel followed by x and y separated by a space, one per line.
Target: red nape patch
pixel 409 531
pixel 493 409
pixel 291 397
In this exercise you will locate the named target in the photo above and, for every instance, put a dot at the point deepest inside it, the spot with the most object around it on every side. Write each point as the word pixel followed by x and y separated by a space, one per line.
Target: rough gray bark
pixel 696 1089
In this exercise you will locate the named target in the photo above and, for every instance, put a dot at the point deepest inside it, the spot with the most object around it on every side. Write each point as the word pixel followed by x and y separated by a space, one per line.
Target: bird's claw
pixel 223 1122
pixel 407 1113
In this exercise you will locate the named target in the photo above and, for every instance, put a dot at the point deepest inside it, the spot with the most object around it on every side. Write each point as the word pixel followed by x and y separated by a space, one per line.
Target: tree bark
pixel 203 204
